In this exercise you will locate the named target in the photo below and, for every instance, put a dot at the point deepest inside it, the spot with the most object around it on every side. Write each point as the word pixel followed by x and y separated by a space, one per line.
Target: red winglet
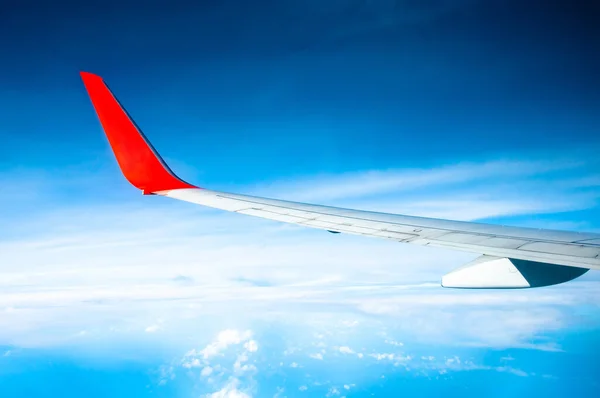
pixel 140 163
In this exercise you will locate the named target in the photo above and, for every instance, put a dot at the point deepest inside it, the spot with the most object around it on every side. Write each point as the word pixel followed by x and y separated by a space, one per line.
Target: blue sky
pixel 469 109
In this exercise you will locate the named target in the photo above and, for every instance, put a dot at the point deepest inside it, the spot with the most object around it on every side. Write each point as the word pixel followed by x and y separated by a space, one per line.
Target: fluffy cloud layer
pixel 226 365
pixel 223 375
pixel 161 268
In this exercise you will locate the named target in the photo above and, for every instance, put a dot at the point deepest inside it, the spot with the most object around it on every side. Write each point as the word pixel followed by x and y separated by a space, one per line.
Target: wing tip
pixel 141 165
pixel 88 76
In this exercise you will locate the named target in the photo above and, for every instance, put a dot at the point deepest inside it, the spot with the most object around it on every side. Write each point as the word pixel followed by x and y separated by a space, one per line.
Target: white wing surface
pixel 512 257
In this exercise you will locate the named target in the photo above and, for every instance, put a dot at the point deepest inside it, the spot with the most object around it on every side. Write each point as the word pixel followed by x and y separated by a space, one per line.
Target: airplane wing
pixel 511 257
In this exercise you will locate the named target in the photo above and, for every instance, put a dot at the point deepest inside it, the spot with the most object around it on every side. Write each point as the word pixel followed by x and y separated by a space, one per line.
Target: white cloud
pixel 166 373
pixel 346 350
pixel 451 361
pixel 378 182
pixel 279 393
pixel 251 345
pixel 317 356
pixel 508 369
pixel 229 391
pixel 224 339
pixel 191 362
pixel 240 365
pixel 382 356
pixel 456 364
pixel 303 388
pixel 225 362
pixel 394 343
pixel 152 328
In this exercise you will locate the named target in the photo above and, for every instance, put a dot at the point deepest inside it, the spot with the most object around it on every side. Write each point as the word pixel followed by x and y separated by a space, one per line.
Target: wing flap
pixel 567 249
pixel 593 242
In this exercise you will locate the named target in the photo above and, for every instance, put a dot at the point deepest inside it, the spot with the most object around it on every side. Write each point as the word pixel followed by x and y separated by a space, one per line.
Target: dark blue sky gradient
pixel 301 86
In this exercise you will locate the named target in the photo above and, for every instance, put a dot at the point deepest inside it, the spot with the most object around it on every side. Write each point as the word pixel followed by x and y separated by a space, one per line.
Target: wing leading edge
pixel 512 257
